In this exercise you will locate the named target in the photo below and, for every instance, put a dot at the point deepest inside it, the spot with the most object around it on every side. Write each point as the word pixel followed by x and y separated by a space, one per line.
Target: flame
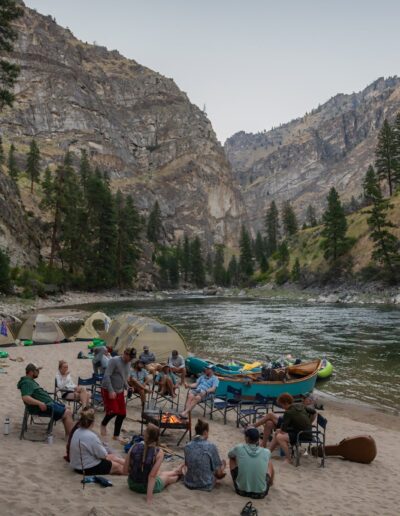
pixel 170 419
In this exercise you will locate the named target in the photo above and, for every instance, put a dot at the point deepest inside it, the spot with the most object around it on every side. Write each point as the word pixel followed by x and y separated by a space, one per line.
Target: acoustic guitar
pixel 361 448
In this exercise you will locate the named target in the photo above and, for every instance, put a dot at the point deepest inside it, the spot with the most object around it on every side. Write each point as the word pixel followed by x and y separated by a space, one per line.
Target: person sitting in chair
pixel 100 359
pixel 70 391
pixel 206 384
pixel 297 418
pixel 87 455
pixel 166 381
pixel 138 380
pixel 203 465
pixel 39 401
pixel 177 364
pixel 251 469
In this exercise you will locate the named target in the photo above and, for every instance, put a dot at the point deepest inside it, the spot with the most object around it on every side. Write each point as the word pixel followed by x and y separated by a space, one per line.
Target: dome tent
pixel 6 335
pixel 87 331
pixel 128 331
pixel 41 329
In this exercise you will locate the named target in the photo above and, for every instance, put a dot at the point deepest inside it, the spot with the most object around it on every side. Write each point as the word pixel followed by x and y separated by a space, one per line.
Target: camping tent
pixel 6 335
pixel 136 331
pixel 41 329
pixel 88 331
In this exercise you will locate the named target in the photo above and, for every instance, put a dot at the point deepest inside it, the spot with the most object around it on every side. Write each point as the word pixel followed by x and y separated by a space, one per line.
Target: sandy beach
pixel 38 481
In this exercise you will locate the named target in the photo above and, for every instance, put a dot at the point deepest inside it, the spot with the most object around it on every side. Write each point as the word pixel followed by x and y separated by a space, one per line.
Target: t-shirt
pixel 29 387
pixel 177 362
pixel 204 383
pixel 86 449
pixel 64 382
pixel 116 375
pixel 147 358
pixel 252 462
pixel 139 376
pixel 202 460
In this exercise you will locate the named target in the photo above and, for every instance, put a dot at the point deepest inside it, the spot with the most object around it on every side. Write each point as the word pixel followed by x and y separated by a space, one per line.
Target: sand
pixel 36 479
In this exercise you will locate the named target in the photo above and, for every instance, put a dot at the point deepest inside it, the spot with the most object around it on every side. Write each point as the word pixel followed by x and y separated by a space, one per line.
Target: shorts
pixel 115 406
pixel 142 488
pixel 102 468
pixel 57 409
pixel 304 437
pixel 279 422
pixel 234 473
pixel 67 393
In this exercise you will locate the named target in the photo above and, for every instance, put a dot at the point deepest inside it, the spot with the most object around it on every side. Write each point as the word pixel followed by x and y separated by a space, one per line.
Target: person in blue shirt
pixel 206 385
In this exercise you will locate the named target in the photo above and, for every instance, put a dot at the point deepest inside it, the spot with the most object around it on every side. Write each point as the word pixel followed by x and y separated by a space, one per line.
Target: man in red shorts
pixel 113 386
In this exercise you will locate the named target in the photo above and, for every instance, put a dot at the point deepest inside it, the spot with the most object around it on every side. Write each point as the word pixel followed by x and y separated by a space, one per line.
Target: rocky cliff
pixel 300 161
pixel 135 123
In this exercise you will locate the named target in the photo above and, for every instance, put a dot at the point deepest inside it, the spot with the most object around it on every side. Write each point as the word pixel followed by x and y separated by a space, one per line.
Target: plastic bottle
pixel 6 426
pixel 50 439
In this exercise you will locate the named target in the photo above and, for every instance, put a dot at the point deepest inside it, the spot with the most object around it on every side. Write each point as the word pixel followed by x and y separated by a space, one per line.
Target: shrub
pixel 282 276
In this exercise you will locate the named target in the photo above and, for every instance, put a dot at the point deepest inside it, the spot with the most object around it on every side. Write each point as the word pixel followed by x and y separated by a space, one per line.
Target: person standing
pixel 113 386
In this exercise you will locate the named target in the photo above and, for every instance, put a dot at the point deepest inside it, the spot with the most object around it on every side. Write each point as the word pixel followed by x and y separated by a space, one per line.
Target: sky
pixel 253 64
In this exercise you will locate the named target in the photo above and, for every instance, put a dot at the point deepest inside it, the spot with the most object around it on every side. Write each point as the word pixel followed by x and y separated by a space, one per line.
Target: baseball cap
pixel 32 367
pixel 252 434
pixel 210 366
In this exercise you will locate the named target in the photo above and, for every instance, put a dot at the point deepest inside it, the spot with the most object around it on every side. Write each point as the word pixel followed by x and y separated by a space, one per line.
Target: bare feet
pixel 103 431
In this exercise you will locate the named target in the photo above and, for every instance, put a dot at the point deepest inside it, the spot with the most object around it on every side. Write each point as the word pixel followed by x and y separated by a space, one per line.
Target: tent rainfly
pixel 88 331
pixel 41 329
pixel 128 331
pixel 6 335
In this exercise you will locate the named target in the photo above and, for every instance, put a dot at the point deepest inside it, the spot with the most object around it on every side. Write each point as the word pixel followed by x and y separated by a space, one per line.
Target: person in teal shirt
pixel 251 469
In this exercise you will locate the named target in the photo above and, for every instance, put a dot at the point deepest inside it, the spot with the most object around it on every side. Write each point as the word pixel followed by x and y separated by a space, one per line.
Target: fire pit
pixel 167 420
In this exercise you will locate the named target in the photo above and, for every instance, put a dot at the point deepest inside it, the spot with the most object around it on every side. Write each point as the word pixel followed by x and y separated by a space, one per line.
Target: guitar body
pixel 361 448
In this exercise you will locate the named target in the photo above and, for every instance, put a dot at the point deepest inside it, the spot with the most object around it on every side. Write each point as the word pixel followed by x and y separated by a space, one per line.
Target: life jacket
pixel 139 469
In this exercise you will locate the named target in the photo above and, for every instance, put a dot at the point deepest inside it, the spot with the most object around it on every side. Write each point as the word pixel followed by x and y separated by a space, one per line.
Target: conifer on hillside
pixel 13 171
pixel 33 164
pixel 289 219
pixel 334 240
pixel 272 228
pixel 154 225
pixel 386 164
pixel 246 257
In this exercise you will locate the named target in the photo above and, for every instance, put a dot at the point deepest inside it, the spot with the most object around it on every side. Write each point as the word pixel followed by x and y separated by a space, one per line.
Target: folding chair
pixel 259 405
pixel 85 382
pixel 97 398
pixel 316 436
pixel 227 403
pixel 155 397
pixel 36 419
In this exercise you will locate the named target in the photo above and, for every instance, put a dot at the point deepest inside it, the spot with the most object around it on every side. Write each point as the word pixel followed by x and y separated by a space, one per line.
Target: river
pixel 362 341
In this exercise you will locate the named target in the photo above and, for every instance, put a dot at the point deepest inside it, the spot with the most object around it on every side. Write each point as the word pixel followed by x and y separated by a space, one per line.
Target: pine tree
pixel 283 254
pixel 386 166
pixel 5 283
pixel 246 258
pixel 289 219
pixel 369 184
pixel 13 171
pixel 334 240
pixel 173 268
pixel 219 269
pixel 186 258
pixel 386 245
pixel 154 225
pixel 85 170
pixel 310 216
pixel 396 138
pixel 259 251
pixel 33 164
pixel 197 264
pixel 233 271
pixel 272 228
pixel 296 271
pixel 9 12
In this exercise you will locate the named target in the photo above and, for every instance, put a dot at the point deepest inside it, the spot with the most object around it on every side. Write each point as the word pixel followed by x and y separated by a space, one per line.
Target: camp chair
pixel 260 405
pixel 97 398
pixel 227 403
pixel 36 419
pixel 317 437
pixel 156 397
pixel 85 382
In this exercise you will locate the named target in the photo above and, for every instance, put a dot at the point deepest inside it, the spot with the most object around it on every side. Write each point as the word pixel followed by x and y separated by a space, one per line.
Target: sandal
pixel 249 510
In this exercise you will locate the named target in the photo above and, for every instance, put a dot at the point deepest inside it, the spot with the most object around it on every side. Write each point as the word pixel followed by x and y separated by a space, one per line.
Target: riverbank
pixel 46 485
pixel 342 294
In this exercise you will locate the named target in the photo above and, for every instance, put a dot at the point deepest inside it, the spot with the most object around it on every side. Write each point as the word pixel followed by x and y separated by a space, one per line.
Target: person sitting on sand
pixel 166 381
pixel 100 359
pixel 297 418
pixel 39 401
pixel 203 465
pixel 113 386
pixel 142 465
pixel 206 384
pixel 177 364
pixel 87 455
pixel 273 421
pixel 251 469
pixel 70 391
pixel 139 379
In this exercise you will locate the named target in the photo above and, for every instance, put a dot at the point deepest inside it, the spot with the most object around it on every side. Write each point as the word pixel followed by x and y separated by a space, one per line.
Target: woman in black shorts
pixel 87 453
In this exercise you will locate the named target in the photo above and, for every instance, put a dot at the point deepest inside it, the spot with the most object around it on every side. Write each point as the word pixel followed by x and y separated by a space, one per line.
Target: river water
pixel 362 341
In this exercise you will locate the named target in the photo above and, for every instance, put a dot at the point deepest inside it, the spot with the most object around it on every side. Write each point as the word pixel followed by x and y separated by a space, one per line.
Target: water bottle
pixel 50 439
pixel 6 426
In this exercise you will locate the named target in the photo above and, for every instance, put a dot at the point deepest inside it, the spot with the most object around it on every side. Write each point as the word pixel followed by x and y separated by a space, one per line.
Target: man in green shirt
pixel 39 401
pixel 251 469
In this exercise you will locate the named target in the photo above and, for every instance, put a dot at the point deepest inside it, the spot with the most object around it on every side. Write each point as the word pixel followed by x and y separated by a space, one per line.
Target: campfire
pixel 170 419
